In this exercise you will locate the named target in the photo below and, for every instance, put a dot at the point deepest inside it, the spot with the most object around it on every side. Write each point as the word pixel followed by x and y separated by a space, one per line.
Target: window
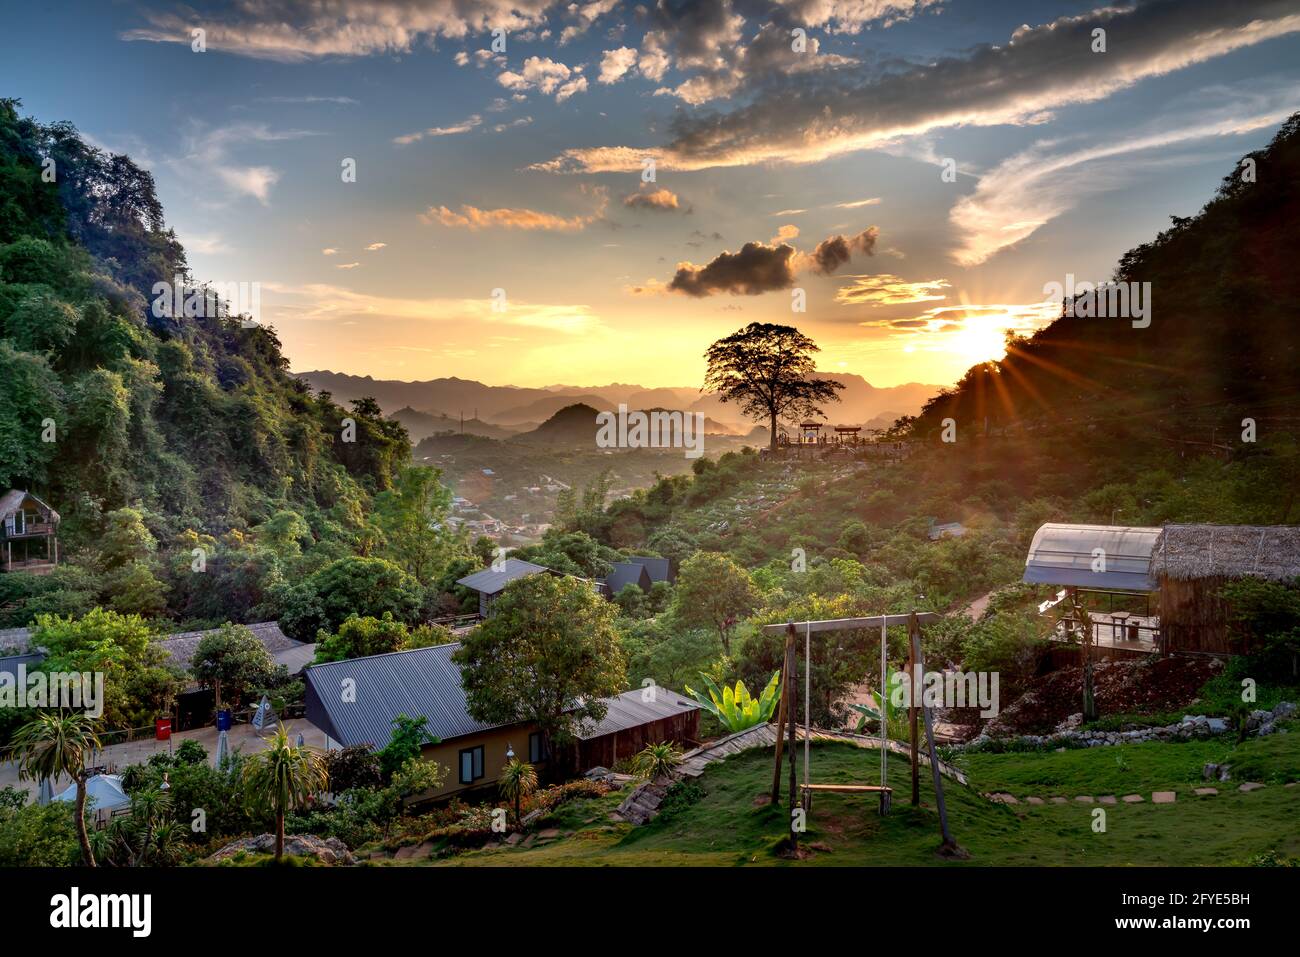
pixel 471 764
pixel 536 750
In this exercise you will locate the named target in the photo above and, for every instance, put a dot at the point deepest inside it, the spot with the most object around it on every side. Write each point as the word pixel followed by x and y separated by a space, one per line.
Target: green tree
pixel 41 324
pixel 412 517
pixel 548 655
pixel 126 538
pixel 405 743
pixel 770 372
pixel 359 637
pixel 713 590
pixel 367 587
pixel 283 778
pixel 57 745
pixel 31 397
pixel 230 661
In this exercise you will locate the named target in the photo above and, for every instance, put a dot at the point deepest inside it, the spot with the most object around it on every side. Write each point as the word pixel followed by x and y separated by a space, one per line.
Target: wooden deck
pixel 1107 636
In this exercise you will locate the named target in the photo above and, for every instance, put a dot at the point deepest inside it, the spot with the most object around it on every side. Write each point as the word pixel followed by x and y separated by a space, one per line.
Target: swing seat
pixel 885 793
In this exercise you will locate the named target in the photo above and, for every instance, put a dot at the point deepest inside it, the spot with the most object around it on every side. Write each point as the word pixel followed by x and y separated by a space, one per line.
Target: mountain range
pixel 520 409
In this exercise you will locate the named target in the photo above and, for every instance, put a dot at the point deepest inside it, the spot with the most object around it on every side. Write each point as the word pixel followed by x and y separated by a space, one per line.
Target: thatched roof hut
pixel 1189 552
pixel 1192 563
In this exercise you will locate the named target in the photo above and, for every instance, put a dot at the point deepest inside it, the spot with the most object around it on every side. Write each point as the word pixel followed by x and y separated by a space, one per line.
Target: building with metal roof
pixel 622 574
pixel 354 702
pixel 1099 557
pixel 491 581
pixel 659 569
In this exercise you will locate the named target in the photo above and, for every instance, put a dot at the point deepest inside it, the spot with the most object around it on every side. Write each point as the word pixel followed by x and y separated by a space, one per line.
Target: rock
pixel 1205 792
pixel 549 834
pixel 1225 772
pixel 328 850
pixel 1217 725
pixel 514 838
pixel 1164 797
pixel 1283 709
pixel 1107 799
pixel 1133 799
pixel 1250 786
pixel 1059 800
pixel 1210 772
pixel 1085 799
pixel 1003 798
pixel 1033 800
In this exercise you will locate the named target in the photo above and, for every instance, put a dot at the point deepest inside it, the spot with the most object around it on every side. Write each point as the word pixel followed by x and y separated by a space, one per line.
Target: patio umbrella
pixel 223 748
pixel 104 789
pixel 46 792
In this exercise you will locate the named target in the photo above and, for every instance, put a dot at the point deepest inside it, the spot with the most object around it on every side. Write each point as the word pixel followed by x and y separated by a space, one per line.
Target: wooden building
pixel 425 682
pixel 1192 563
pixel 1162 587
pixel 29 533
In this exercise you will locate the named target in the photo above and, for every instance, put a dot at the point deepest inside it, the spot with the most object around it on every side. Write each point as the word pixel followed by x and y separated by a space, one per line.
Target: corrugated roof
pixel 628 710
pixel 622 574
pixel 489 581
pixel 659 569
pixel 422 682
pixel 15 639
pixel 425 682
pixel 1063 554
pixel 9 666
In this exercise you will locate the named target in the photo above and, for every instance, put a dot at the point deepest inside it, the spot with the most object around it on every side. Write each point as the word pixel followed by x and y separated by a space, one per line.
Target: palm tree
pixel 518 780
pixel 52 745
pixel 283 778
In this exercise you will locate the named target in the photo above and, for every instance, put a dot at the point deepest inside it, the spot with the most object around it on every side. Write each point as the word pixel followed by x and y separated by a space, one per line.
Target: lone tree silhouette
pixel 767 370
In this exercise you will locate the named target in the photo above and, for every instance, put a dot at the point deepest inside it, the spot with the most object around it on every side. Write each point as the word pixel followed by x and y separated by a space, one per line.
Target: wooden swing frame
pixel 787 721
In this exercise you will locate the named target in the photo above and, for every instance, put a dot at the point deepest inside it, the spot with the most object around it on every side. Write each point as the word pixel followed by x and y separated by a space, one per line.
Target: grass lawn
pixel 727 828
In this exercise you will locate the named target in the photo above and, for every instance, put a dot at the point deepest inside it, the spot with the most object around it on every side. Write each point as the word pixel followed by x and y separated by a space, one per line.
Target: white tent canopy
pixel 1104 557
pixel 104 789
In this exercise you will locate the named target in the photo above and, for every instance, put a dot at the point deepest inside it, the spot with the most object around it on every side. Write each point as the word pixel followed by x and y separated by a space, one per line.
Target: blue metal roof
pixel 489 581
pixel 1104 557
pixel 659 569
pixel 622 574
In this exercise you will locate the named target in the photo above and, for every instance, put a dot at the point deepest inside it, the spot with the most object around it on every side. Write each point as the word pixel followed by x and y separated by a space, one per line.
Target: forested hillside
pixel 156 434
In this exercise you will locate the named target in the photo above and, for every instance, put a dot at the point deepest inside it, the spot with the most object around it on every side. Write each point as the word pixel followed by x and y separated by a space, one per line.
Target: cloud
pixel 756 269
pixel 834 251
pixel 297 30
pixel 339 100
pixel 375 247
pixel 207 156
pixel 473 218
pixel 858 204
pixel 546 75
pixel 764 267
pixel 1039 69
pixel 347 265
pixel 1030 189
pixel 661 200
pixel 329 252
pixel 323 302
pixel 885 289
pixel 614 64
pixel 464 126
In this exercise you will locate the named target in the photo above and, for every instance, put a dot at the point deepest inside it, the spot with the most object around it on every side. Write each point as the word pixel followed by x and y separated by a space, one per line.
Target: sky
pixel 591 192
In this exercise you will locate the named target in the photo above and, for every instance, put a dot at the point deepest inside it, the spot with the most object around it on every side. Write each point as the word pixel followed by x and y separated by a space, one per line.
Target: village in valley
pixel 588 470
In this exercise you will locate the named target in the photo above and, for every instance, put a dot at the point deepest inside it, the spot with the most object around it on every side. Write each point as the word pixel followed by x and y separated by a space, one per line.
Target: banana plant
pixel 867 713
pixel 735 708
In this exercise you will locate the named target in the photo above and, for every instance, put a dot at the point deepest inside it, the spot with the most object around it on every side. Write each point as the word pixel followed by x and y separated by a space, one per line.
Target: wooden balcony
pixel 32 530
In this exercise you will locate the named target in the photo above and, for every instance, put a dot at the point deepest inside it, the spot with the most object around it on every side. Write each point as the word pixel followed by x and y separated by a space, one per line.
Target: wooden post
pixel 794 723
pixel 781 713
pixel 913 634
pixel 949 846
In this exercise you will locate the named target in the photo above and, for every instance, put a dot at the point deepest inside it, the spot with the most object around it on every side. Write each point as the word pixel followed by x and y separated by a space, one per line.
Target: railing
pixel 31 530
pixel 455 621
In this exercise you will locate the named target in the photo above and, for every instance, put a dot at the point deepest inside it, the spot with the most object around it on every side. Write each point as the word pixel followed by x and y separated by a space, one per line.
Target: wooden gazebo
pixel 810 433
pixel 847 434
pixel 25 520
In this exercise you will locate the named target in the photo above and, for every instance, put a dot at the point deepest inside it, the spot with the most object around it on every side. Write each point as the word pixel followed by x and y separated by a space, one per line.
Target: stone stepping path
pixel 1157 797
